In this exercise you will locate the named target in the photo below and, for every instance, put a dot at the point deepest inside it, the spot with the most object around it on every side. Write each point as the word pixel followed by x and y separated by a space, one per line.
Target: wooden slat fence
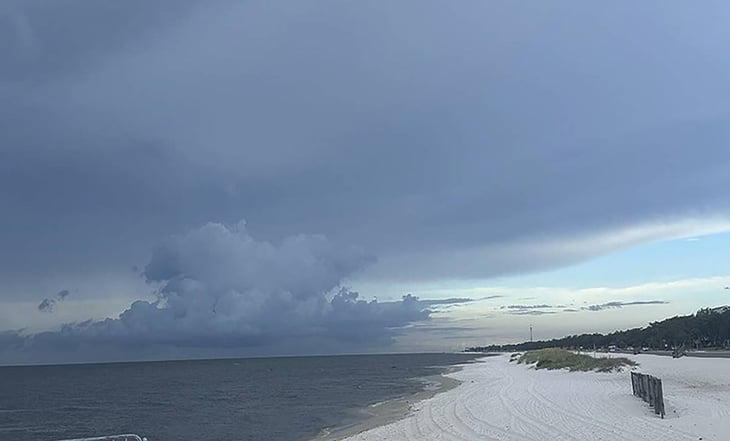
pixel 649 389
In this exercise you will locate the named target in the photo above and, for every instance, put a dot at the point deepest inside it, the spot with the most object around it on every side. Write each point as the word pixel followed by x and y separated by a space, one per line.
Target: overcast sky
pixel 191 178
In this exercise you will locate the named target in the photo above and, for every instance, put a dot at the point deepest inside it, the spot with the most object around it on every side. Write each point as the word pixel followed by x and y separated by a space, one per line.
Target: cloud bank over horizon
pixel 364 143
pixel 219 288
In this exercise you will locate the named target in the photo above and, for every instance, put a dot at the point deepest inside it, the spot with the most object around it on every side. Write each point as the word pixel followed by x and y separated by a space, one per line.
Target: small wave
pixel 380 403
pixel 431 385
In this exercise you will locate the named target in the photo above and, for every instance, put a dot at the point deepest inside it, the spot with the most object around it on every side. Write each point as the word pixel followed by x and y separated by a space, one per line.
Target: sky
pixel 202 179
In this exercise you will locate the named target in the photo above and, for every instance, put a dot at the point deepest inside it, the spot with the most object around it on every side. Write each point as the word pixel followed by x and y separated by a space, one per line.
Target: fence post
pixel 650 390
pixel 660 397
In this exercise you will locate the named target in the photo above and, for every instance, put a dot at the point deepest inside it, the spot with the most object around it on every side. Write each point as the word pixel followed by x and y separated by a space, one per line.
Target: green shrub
pixel 563 359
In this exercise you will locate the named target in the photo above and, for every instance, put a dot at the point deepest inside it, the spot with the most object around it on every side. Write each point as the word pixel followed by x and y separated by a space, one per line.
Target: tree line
pixel 707 328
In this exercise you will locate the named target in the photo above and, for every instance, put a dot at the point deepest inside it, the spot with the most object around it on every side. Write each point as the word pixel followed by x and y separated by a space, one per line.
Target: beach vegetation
pixel 556 358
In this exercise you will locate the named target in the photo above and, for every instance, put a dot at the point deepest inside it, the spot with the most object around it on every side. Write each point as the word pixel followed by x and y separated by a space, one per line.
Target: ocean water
pixel 270 399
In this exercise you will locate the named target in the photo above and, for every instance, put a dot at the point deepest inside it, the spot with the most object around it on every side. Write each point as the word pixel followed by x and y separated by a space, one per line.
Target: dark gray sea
pixel 263 399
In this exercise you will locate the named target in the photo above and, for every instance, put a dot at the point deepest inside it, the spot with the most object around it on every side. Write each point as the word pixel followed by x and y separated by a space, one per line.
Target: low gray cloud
pixel 449 301
pixel 538 309
pixel 526 306
pixel 455 301
pixel 541 309
pixel 49 304
pixel 441 305
pixel 531 312
pixel 218 287
pixel 617 305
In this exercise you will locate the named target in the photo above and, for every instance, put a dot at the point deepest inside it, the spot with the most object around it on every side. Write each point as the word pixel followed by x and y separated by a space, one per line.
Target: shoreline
pixel 390 411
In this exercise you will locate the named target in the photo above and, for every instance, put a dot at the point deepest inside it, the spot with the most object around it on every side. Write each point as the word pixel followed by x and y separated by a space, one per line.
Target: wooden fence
pixel 650 390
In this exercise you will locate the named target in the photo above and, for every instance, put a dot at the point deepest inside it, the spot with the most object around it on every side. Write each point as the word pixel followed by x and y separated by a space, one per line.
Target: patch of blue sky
pixel 687 258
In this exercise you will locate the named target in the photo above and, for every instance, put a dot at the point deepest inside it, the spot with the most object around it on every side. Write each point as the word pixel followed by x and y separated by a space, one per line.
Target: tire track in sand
pixel 597 403
pixel 535 424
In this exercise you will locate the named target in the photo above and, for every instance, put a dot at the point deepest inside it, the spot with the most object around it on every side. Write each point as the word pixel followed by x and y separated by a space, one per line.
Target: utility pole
pixel 530 333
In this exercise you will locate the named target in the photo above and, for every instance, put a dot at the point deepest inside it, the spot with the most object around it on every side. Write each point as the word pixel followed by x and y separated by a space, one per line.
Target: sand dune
pixel 499 400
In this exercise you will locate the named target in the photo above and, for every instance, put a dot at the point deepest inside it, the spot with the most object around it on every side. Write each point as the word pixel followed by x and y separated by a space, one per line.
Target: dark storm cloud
pixel 11 341
pixel 221 288
pixel 40 39
pixel 436 151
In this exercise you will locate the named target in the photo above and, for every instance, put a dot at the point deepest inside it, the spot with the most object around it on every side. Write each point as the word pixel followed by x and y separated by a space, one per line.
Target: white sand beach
pixel 499 400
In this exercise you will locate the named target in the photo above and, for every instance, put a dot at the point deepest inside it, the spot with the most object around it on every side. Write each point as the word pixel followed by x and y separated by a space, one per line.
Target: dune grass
pixel 563 359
